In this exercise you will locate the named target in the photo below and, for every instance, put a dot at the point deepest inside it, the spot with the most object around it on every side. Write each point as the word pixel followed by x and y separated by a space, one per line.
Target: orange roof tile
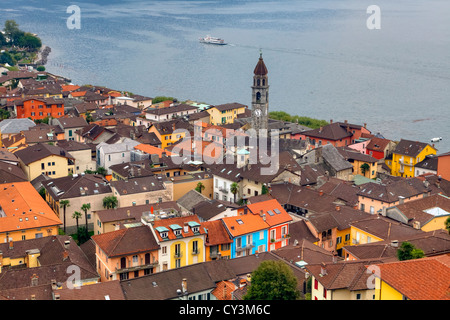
pixel 151 149
pixel 273 218
pixel 70 87
pixel 224 290
pixel 216 233
pixel 78 93
pixel 24 208
pixel 419 279
pixel 244 224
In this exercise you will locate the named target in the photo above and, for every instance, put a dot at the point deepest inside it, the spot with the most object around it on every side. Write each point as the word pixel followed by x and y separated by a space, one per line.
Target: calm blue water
pixel 323 61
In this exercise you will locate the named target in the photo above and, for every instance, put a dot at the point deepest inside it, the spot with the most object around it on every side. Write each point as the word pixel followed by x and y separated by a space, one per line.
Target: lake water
pixel 323 61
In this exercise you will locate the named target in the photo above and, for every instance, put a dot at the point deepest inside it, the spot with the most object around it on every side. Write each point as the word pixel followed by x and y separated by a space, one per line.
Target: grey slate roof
pixel 191 199
pixel 332 156
pixel 15 125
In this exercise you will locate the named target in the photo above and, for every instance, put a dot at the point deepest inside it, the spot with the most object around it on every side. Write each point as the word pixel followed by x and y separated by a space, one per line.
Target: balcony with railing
pixel 223 190
pixel 246 247
pixel 136 267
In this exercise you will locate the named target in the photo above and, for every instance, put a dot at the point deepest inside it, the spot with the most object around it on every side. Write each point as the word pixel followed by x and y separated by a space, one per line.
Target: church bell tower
pixel 260 97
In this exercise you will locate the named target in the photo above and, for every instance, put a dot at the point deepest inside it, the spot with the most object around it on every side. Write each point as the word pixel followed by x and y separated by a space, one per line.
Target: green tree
pixel 159 99
pixel 4 114
pixel 305 121
pixel 42 192
pixel 3 41
pixel 102 171
pixel 200 187
pixel 7 58
pixel 408 251
pixel 29 41
pixel 89 117
pixel 12 30
pixel 365 167
pixel 234 188
pixel 86 207
pixel 447 224
pixel 110 202
pixel 264 189
pixel 64 204
pixel 40 68
pixel 273 280
pixel 77 215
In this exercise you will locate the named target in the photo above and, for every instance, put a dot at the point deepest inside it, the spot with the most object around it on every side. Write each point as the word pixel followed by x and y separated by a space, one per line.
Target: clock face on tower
pixel 258 112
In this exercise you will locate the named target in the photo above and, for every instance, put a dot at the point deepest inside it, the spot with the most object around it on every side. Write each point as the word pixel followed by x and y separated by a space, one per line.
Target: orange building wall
pixel 443 168
pixel 33 105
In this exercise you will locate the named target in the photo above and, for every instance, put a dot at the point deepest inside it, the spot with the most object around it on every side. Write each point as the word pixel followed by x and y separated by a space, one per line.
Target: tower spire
pixel 260 96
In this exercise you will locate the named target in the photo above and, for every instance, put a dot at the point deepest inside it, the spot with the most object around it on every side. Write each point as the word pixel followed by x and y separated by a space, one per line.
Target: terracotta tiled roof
pixel 431 277
pixel 24 208
pixel 217 233
pixel 274 212
pixel 378 144
pixel 244 224
pixel 223 290
pixel 126 241
pixel 152 150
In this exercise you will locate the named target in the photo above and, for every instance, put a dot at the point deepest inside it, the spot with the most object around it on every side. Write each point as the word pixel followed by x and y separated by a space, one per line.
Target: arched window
pixel 258 81
pixel 264 82
pixel 258 96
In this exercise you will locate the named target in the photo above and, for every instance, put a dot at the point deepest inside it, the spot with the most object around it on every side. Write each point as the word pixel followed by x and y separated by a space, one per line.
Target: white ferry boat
pixel 212 40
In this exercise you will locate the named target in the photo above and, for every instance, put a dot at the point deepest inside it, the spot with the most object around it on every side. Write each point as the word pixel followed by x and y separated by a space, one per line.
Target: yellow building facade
pixel 225 114
pixel 403 165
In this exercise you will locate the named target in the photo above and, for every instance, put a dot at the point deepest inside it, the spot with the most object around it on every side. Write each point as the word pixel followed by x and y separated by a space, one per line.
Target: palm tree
pixel 64 204
pixel 85 207
pixel 110 202
pixel 364 168
pixel 200 187
pixel 234 188
pixel 77 215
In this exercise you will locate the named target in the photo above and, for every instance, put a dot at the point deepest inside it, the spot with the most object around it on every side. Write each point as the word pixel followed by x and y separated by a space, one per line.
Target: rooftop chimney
pixel 323 271
pixel 34 280
pixel 184 285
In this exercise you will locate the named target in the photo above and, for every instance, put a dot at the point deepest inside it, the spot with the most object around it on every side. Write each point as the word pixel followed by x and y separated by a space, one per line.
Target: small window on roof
pixel 239 221
pixel 270 212
pixel 277 211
